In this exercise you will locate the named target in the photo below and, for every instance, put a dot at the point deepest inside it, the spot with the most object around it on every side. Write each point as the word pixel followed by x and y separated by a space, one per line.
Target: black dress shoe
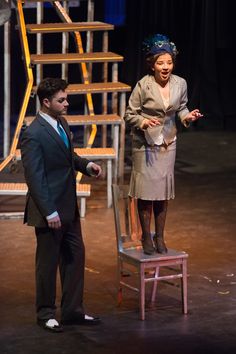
pixel 50 325
pixel 82 320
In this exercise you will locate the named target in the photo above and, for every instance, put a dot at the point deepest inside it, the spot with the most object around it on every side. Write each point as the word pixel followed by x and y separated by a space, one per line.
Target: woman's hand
pixel 148 123
pixel 194 115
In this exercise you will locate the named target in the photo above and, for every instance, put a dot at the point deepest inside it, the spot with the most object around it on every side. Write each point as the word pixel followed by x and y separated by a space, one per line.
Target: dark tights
pixel 159 208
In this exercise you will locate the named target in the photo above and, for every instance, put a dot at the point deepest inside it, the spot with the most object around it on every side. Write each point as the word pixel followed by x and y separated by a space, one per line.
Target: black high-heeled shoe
pixel 160 245
pixel 148 247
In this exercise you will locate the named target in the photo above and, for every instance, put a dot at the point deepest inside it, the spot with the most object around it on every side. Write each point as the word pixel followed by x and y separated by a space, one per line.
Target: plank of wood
pixel 68 27
pixel 99 119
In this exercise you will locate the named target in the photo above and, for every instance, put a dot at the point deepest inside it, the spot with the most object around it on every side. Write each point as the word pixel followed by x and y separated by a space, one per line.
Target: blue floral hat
pixel 159 44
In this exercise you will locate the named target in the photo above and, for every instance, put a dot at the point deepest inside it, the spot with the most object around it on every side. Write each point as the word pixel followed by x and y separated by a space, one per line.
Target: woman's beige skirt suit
pixel 154 149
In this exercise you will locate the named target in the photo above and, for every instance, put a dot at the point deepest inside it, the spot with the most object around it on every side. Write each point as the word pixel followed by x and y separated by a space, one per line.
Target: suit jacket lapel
pixel 172 91
pixel 55 136
pixel 157 93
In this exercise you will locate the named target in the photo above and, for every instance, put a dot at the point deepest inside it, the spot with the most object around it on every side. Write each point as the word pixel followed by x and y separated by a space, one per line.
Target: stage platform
pixel 201 221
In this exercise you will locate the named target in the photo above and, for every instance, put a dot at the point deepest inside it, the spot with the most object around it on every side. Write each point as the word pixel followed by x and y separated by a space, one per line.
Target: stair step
pixel 82 190
pixel 97 57
pixel 96 87
pixel 68 27
pixel 43 0
pixel 13 188
pixel 100 119
pixel 96 153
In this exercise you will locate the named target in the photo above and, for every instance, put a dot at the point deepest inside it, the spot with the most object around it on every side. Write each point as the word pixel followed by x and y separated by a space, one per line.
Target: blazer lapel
pixel 157 94
pixel 55 136
pixel 172 91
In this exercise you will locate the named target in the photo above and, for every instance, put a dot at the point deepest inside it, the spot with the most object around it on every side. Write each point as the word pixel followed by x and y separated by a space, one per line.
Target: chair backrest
pixel 128 231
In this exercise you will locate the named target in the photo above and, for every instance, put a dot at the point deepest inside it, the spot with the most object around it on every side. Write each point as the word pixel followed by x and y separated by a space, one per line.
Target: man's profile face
pixel 57 105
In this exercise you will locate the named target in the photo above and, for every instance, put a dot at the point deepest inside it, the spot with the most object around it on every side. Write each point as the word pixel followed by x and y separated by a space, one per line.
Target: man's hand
pixel 96 170
pixel 55 222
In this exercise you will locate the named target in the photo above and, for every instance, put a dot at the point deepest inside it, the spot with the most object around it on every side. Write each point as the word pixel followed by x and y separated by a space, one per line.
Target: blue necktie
pixel 63 135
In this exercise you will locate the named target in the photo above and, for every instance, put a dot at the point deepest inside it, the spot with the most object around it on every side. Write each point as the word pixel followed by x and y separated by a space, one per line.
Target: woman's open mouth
pixel 165 75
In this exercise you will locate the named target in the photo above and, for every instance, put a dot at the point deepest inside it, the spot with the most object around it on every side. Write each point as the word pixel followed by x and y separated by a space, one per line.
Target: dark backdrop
pixel 202 31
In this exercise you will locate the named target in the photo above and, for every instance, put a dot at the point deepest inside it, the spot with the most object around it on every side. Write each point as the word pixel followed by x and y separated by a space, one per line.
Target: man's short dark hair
pixel 49 86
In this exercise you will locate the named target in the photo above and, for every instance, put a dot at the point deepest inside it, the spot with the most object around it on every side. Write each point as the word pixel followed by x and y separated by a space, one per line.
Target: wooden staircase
pixel 107 88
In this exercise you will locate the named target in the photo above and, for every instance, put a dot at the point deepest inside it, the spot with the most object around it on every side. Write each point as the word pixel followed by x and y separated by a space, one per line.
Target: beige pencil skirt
pixel 152 176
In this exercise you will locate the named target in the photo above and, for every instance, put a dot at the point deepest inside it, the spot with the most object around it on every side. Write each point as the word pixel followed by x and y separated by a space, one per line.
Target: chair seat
pixel 137 254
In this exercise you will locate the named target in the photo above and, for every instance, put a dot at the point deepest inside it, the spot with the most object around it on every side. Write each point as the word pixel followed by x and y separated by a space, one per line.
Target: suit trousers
pixel 63 249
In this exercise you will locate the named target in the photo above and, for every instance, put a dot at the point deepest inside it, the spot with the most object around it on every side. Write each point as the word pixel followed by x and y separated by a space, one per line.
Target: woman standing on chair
pixel 155 101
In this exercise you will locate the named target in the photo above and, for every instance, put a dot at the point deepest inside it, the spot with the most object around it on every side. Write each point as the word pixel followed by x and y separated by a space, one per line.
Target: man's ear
pixel 46 102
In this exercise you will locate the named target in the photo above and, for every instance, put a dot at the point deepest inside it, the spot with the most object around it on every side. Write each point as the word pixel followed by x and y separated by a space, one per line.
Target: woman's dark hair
pixel 49 86
pixel 151 59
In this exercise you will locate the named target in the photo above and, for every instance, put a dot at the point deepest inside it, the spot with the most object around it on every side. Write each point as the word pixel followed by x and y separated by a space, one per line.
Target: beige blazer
pixel 146 102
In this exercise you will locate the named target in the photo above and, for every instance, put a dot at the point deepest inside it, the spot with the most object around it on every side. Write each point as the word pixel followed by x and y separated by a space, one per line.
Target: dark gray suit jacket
pixel 50 173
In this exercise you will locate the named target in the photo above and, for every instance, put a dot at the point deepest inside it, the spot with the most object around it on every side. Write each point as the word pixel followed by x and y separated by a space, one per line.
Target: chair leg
pixel 142 293
pixel 119 296
pixel 109 183
pixel 184 286
pixel 154 289
pixel 119 276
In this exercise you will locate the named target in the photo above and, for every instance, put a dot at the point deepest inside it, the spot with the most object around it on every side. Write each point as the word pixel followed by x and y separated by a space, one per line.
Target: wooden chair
pixel 132 260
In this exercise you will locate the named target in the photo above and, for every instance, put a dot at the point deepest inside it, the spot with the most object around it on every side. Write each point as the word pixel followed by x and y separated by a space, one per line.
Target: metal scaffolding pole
pixel 7 81
pixel 39 68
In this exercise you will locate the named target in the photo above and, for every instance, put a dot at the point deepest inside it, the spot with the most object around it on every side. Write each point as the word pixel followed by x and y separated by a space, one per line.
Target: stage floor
pixel 201 221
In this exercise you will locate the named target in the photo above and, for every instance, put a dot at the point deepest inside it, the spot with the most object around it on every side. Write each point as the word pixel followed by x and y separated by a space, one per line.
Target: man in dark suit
pixel 51 207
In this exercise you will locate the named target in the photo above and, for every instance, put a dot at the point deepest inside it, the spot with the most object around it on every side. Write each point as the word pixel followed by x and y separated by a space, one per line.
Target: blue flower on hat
pixel 159 43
